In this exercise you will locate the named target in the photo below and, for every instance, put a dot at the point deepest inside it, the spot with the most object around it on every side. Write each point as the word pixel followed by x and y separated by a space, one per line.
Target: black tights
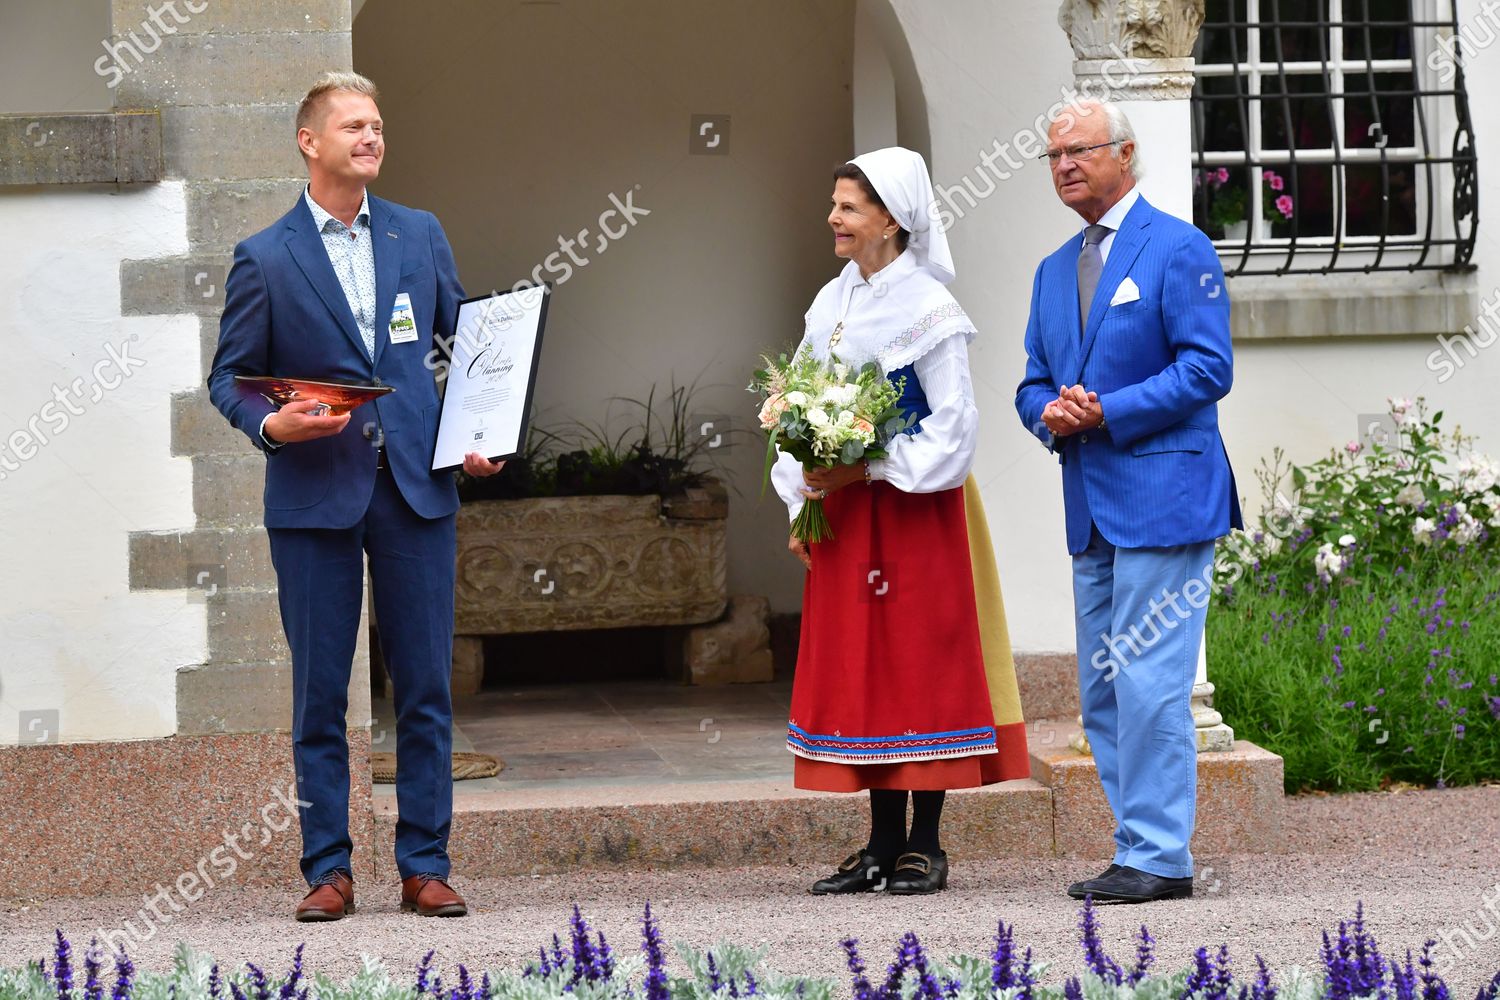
pixel 888 836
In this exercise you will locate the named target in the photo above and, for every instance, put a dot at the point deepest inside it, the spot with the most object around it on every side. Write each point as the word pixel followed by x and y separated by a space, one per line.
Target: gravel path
pixel 1422 862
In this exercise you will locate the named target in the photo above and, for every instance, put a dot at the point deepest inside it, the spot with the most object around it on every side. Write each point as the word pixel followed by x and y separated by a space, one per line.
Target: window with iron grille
pixel 1333 136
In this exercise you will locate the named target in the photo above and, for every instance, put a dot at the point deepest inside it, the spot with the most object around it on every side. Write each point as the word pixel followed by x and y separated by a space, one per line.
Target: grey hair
pixel 1120 129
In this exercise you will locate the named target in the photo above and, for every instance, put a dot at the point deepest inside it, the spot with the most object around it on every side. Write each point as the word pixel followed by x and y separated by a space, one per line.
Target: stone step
pixel 1240 795
pixel 1060 810
pixel 559 829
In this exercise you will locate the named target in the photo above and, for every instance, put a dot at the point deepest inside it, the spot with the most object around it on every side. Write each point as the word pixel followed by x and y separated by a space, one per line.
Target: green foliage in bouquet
pixel 825 414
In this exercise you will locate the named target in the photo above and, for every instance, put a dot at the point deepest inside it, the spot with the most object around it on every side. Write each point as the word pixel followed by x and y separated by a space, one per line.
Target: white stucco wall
pixel 988 69
pixel 73 638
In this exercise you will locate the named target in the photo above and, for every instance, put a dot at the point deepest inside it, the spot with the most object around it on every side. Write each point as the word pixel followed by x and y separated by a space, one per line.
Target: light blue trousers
pixel 1140 622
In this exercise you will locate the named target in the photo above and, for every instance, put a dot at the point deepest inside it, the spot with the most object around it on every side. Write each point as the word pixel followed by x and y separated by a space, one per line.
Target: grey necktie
pixel 1090 263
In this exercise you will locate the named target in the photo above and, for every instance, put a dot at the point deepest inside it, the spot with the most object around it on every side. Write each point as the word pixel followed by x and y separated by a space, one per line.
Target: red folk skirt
pixel 904 675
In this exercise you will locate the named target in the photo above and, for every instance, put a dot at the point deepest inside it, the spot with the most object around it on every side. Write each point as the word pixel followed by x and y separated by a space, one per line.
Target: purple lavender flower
pixel 1404 979
pixel 293 977
pixel 235 992
pixel 1145 956
pixel 125 976
pixel 1262 989
pixel 714 982
pixel 927 986
pixel 585 956
pixel 1099 963
pixel 1491 990
pixel 1005 973
pixel 62 967
pixel 424 974
pixel 215 985
pixel 260 987
pixel 93 962
pixel 1433 987
pixel 1201 976
pixel 486 988
pixel 752 988
pixel 862 988
pixel 1073 989
pixel 465 988
pixel 656 973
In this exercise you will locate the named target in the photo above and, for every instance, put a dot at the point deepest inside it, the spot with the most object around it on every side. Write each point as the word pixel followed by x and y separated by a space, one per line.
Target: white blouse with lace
pixel 880 324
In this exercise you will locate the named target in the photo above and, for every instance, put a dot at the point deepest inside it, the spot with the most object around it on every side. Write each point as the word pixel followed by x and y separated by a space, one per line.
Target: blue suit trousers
pixel 1140 615
pixel 320 576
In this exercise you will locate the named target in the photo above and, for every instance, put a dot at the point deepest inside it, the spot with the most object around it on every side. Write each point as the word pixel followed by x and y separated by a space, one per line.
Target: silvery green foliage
pixel 372 982
pixel 728 970
pixel 1298 984
pixel 25 984
pixel 973 976
pixel 1094 987
pixel 559 983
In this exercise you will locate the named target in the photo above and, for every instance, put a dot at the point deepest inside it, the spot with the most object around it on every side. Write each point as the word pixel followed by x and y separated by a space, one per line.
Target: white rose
pixel 1421 530
pixel 1410 495
pixel 817 417
pixel 846 416
pixel 796 398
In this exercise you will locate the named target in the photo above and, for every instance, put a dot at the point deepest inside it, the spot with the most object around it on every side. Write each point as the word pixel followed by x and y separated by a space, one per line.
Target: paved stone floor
pixel 636 733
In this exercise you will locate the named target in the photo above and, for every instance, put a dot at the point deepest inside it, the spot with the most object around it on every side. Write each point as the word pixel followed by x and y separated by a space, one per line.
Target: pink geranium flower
pixel 1284 206
pixel 1275 181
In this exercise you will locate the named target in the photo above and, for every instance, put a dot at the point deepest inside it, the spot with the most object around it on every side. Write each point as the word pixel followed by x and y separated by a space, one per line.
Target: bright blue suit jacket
pixel 1157 474
pixel 286 314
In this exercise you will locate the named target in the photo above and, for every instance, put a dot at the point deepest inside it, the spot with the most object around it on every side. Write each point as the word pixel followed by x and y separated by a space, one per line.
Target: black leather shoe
pixel 1078 890
pixel 1131 885
pixel 860 872
pixel 918 874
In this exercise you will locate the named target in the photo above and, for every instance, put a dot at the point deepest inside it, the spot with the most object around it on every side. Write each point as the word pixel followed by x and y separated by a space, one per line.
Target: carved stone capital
pixel 1131 29
pixel 1132 50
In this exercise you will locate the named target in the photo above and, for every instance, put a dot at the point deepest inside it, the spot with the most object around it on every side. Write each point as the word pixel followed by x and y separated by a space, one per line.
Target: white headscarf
pixel 900 177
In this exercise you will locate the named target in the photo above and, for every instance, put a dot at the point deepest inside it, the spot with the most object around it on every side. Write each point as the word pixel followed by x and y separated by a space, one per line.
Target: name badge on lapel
pixel 403 323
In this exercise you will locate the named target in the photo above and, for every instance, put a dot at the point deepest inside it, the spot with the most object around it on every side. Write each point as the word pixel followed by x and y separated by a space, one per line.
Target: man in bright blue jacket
pixel 354 288
pixel 1128 352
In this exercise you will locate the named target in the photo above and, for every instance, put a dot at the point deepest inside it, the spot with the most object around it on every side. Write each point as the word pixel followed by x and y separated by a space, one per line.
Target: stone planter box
pixel 591 562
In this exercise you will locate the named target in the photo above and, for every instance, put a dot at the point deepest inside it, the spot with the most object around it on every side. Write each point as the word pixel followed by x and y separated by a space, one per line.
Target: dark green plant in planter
pixel 659 453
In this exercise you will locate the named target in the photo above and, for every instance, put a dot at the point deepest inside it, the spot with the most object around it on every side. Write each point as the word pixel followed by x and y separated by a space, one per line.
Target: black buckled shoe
pixel 919 874
pixel 859 872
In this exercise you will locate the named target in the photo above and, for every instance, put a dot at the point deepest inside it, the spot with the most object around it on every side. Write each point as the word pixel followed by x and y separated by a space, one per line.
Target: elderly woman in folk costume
pixel 904 677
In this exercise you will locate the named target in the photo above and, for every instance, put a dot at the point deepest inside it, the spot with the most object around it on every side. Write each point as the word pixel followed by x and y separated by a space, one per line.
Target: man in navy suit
pixel 330 291
pixel 1128 353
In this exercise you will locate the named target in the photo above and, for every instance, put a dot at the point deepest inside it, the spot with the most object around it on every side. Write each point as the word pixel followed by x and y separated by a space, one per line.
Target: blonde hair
pixel 332 82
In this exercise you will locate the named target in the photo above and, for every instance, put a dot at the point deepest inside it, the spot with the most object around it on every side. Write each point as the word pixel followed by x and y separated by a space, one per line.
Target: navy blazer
pixel 1157 474
pixel 285 314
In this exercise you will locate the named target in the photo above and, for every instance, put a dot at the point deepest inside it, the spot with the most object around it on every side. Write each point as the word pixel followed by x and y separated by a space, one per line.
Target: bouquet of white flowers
pixel 825 414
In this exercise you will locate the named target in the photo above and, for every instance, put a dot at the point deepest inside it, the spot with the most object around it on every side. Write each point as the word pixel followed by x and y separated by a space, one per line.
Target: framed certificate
pixel 497 345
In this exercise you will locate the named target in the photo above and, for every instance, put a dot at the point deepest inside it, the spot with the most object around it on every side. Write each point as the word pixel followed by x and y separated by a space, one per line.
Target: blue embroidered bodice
pixel 913 400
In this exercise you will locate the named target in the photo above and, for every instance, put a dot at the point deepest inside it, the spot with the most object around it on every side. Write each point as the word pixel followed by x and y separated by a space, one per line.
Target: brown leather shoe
pixel 331 898
pixel 430 896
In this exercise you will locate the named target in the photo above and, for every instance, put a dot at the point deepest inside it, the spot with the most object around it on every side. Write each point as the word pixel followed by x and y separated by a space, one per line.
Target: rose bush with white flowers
pixel 1356 630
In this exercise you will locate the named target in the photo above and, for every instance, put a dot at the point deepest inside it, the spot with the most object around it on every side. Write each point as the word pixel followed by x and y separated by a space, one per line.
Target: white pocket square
pixel 1127 292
